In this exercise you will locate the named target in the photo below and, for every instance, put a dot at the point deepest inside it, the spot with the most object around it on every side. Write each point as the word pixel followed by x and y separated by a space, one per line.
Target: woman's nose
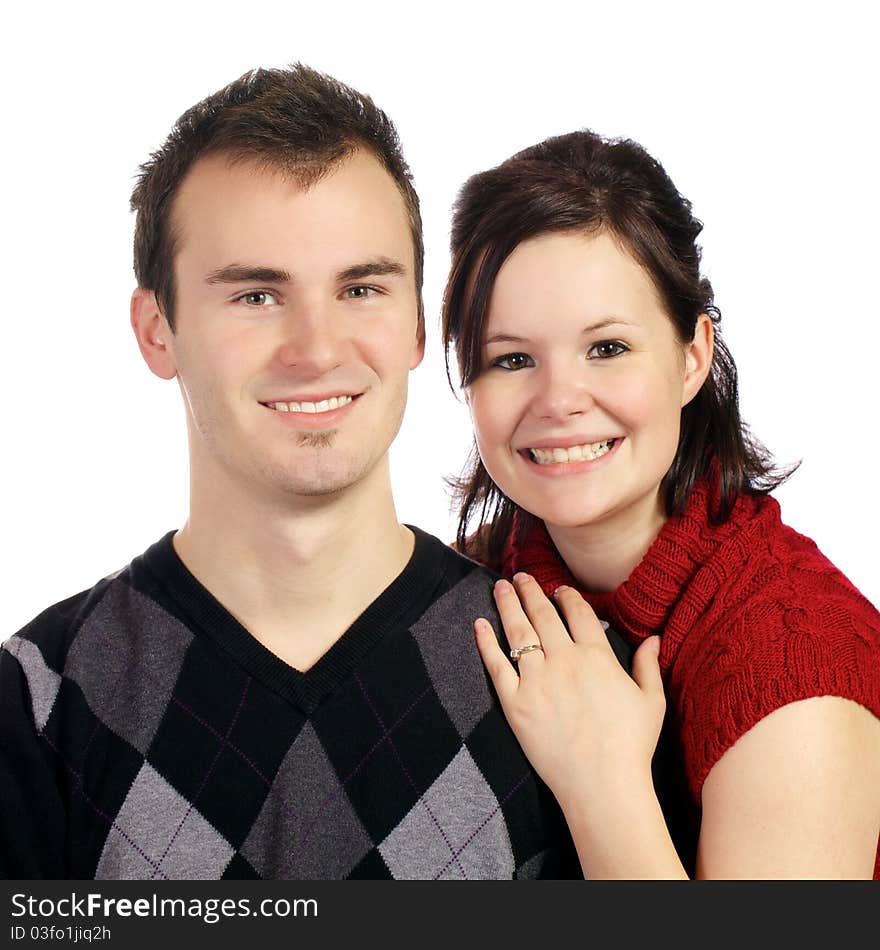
pixel 562 392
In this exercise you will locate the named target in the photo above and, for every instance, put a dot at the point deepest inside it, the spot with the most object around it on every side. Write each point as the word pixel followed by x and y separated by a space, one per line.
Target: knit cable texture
pixel 752 616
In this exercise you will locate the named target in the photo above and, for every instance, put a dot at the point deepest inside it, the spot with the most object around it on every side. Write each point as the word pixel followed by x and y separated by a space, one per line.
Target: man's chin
pixel 323 482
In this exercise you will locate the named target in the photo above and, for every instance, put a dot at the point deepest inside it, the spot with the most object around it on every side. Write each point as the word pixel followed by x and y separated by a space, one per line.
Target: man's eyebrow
pixel 247 273
pixel 592 328
pixel 379 267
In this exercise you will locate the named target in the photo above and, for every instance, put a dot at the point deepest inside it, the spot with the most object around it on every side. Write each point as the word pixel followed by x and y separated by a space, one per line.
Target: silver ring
pixel 517 652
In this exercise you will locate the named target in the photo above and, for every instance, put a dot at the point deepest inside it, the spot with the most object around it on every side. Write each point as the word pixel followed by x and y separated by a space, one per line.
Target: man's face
pixel 296 323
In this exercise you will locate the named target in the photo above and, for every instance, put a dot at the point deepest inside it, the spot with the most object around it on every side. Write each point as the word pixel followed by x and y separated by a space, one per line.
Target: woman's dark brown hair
pixel 582 182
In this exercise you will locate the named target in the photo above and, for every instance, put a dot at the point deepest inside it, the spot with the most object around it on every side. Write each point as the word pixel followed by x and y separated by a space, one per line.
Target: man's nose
pixel 312 341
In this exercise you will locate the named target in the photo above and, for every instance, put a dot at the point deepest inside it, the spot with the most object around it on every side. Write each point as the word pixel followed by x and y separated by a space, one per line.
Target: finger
pixel 583 624
pixel 646 670
pixel 497 665
pixel 541 612
pixel 517 627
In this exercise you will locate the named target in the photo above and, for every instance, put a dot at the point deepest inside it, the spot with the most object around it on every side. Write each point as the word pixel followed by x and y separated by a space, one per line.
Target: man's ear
pixel 153 334
pixel 418 353
pixel 698 358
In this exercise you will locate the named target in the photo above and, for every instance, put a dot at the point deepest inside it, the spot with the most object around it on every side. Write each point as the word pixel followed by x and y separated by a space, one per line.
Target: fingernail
pixel 560 589
pixel 502 586
pixel 520 576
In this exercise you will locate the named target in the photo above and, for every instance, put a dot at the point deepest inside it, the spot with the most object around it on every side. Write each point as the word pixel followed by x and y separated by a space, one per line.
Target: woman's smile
pixel 560 460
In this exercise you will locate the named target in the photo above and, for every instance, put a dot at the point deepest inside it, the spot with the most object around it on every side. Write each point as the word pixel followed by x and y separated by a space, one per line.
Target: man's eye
pixel 359 292
pixel 258 298
pixel 606 349
pixel 513 361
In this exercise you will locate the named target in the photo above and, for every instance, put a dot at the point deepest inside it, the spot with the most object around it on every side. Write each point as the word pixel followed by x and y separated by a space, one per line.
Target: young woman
pixel 615 477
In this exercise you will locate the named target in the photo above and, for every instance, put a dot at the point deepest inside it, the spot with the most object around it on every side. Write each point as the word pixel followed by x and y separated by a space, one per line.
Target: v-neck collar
pixel 398 606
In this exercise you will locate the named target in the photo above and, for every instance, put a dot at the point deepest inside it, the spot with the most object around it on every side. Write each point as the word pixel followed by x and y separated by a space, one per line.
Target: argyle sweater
pixel 752 617
pixel 144 734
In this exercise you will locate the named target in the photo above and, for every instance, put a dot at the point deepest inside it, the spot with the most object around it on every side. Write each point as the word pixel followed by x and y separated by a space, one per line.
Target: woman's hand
pixel 588 729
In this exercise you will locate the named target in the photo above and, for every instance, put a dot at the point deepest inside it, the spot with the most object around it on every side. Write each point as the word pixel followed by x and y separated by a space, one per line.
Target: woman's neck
pixel 601 555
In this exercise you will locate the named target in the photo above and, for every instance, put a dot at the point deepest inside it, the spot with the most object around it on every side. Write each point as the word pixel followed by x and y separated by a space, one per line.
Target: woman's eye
pixel 258 298
pixel 513 361
pixel 606 349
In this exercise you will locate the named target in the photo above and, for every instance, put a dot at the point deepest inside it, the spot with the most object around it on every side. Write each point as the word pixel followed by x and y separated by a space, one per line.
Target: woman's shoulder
pixel 780 604
pixel 782 573
pixel 785 625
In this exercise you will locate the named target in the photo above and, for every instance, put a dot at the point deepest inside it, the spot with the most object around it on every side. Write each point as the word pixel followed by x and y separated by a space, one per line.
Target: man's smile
pixel 319 406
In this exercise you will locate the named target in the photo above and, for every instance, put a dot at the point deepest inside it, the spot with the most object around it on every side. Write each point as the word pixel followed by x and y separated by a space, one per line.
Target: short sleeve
pixel 779 648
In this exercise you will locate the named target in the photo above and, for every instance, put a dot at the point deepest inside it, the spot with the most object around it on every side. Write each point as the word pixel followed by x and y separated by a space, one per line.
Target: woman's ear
pixel 698 358
pixel 153 333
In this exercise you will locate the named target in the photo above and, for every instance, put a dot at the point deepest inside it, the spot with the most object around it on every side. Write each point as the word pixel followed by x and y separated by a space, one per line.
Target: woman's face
pixel 577 406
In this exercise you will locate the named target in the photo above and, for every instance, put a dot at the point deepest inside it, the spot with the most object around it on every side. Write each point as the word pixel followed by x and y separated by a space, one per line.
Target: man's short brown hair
pixel 294 120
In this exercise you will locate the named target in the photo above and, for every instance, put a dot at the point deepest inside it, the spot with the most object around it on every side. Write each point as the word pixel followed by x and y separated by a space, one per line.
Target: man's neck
pixel 296 574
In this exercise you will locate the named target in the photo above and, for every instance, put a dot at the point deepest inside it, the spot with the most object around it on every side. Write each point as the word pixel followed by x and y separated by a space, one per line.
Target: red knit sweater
pixel 752 615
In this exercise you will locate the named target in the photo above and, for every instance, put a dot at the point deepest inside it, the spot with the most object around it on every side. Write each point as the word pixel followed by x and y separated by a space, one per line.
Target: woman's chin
pixel 558 514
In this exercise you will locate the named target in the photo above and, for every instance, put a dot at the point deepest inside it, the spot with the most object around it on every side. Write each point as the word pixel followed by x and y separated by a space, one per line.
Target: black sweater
pixel 144 734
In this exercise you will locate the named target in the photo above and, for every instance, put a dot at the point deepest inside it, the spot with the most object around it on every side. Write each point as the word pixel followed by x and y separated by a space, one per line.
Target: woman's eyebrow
pixel 610 321
pixel 503 337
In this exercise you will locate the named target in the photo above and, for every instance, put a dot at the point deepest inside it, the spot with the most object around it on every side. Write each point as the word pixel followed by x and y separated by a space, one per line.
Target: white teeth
pixel 325 405
pixel 576 453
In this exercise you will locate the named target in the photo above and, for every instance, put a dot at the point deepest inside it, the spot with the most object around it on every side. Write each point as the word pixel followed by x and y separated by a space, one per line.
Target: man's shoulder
pixel 465 587
pixel 450 552
pixel 52 633
pixel 53 630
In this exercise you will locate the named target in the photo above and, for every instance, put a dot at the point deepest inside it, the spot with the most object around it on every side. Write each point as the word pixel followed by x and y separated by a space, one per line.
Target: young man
pixel 286 687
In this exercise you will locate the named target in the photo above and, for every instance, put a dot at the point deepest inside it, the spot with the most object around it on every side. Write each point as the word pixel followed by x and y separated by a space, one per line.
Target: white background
pixel 763 114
